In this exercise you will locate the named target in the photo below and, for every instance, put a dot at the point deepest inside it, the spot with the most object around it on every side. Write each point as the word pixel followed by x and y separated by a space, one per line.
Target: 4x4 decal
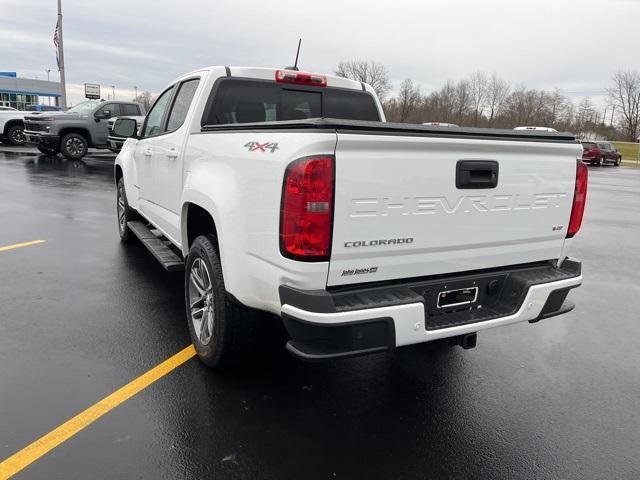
pixel 261 147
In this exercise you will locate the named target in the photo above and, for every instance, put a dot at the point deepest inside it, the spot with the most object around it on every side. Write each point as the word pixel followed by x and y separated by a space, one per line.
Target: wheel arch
pixel 79 130
pixel 12 123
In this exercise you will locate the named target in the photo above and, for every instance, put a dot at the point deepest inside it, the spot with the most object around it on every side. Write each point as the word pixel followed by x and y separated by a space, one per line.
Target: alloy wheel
pixel 201 301
pixel 75 146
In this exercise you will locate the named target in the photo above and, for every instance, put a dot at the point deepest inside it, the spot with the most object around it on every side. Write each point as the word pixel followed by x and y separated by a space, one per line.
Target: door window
pixel 112 108
pixel 181 104
pixel 154 123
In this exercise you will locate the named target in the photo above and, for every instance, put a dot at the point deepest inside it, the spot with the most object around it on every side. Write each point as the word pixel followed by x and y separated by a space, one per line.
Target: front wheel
pixel 601 162
pixel 16 136
pixel 125 213
pixel 618 161
pixel 223 332
pixel 74 146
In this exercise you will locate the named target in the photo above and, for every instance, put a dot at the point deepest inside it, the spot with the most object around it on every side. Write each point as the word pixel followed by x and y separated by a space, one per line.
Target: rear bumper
pixel 325 325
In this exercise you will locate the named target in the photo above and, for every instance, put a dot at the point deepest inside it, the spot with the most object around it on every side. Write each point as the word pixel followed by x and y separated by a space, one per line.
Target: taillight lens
pixel 307 209
pixel 300 78
pixel 579 199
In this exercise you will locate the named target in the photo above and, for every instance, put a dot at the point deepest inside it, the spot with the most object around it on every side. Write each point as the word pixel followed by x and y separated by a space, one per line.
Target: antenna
pixel 295 65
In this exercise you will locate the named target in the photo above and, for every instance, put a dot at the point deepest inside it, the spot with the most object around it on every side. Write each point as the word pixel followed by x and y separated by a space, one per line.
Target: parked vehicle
pixel 600 153
pixel 440 124
pixel 12 127
pixel 538 129
pixel 5 109
pixel 115 142
pixel 286 192
pixel 73 132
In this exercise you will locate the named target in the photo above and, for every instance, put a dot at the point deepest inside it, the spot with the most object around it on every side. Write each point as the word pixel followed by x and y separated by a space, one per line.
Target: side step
pixel 163 253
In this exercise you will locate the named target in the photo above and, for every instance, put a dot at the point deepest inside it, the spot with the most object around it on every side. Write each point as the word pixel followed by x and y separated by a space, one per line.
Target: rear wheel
pixel 601 162
pixel 16 136
pixel 222 331
pixel 74 146
pixel 49 150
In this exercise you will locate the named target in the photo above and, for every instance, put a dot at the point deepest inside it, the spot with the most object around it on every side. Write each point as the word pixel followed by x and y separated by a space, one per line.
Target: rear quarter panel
pixel 241 188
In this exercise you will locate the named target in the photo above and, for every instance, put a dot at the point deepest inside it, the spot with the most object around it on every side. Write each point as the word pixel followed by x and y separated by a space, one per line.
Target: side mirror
pixel 125 127
pixel 103 114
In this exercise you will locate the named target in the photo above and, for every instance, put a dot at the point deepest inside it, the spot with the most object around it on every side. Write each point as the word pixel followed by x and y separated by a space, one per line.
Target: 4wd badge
pixel 261 147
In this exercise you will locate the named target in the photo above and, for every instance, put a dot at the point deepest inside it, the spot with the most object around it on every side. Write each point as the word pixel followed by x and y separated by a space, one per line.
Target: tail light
pixel 579 199
pixel 306 214
pixel 300 78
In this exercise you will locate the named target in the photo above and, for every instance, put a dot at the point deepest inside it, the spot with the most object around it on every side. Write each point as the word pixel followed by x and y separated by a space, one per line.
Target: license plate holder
pixel 457 297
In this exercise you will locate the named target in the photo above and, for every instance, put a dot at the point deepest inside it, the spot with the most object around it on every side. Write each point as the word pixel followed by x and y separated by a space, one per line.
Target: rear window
pixel 249 101
pixel 128 109
pixel 587 145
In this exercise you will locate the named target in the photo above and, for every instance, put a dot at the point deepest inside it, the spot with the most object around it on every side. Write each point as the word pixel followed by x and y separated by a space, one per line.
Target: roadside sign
pixel 92 91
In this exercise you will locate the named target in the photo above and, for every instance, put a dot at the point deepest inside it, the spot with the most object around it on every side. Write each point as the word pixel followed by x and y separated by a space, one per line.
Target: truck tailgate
pixel 399 214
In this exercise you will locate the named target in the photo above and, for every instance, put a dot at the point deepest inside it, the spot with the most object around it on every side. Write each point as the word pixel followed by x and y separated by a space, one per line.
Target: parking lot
pixel 81 315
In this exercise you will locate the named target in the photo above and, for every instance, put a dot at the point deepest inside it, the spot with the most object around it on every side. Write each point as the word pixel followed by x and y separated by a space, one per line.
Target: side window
pixel 127 109
pixel 181 104
pixel 153 126
pixel 113 108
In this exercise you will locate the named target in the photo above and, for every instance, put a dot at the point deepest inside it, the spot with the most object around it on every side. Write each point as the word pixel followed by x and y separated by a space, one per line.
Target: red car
pixel 599 153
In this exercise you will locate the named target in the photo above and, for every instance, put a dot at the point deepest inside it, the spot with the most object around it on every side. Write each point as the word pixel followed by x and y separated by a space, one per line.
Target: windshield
pixel 84 108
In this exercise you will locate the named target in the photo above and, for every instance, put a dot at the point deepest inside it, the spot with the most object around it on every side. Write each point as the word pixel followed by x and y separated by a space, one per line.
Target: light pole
pixel 48 71
pixel 63 83
pixel 113 92
pixel 136 89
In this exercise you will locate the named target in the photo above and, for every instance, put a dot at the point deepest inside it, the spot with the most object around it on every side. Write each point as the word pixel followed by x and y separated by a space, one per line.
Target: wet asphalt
pixel 81 315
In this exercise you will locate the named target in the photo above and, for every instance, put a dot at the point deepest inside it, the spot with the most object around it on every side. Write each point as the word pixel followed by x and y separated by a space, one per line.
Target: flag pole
pixel 63 83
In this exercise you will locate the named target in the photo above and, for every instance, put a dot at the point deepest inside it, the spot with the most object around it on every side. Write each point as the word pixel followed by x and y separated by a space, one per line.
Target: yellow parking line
pixel 51 440
pixel 20 245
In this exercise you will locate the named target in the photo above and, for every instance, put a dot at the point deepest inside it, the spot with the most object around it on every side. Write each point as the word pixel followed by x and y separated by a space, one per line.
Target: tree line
pixel 484 100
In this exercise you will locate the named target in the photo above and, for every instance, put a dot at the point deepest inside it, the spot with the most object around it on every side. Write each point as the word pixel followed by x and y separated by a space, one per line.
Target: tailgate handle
pixel 476 174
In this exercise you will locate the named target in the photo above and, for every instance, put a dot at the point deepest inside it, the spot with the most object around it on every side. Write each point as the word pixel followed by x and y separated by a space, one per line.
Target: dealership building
pixel 21 93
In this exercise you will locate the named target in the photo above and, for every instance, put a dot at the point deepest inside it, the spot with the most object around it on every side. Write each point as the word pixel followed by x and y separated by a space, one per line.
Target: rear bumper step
pixel 350 322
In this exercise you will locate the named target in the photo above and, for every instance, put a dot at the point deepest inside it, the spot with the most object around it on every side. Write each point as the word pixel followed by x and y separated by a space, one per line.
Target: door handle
pixel 147 152
pixel 477 174
pixel 173 154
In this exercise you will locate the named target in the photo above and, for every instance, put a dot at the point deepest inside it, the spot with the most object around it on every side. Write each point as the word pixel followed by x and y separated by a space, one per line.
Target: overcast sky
pixel 575 45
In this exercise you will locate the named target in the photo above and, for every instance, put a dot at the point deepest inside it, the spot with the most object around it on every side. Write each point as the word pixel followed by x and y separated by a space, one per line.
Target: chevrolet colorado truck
pixel 73 132
pixel 284 193
pixel 12 127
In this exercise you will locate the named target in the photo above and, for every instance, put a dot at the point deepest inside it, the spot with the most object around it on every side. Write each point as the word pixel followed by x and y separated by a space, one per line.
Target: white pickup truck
pixel 12 127
pixel 286 193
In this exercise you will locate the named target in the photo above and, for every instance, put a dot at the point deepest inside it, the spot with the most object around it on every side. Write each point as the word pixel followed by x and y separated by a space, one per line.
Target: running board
pixel 163 253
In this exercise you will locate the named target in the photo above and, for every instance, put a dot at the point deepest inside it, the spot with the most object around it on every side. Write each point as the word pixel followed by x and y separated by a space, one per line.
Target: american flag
pixel 55 41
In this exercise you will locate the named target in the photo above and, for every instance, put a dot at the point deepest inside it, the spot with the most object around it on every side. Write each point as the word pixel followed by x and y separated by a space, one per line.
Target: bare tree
pixel 478 86
pixel 373 73
pixel 497 92
pixel 462 102
pixel 625 96
pixel 146 99
pixel 406 105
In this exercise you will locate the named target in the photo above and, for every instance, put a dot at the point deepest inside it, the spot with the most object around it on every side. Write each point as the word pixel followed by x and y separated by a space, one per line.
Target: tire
pixel 618 161
pixel 15 136
pixel 223 332
pixel 74 146
pixel 601 162
pixel 49 150
pixel 124 212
